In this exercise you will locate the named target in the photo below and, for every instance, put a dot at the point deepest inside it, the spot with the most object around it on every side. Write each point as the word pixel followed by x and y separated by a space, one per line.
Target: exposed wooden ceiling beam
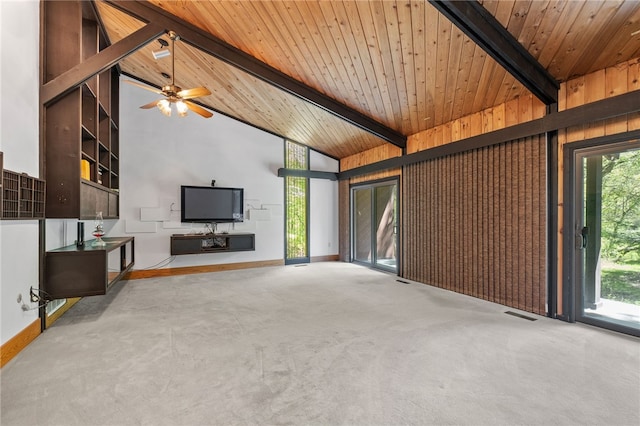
pixel 97 63
pixel 484 29
pixel 220 49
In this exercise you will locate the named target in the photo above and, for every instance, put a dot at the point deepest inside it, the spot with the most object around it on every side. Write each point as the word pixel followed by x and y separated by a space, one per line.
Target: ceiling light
pixel 165 106
pixel 162 53
pixel 182 108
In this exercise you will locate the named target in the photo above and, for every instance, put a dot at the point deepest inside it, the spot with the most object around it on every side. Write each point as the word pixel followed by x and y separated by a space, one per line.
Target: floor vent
pixel 515 314
pixel 298 266
pixel 403 282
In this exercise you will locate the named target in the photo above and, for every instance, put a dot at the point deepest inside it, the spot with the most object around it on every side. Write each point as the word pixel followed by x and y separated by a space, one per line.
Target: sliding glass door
pixel 607 230
pixel 362 224
pixel 374 223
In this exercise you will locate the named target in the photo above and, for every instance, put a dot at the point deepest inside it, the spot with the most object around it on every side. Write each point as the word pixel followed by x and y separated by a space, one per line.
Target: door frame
pixel 572 269
pixel 372 185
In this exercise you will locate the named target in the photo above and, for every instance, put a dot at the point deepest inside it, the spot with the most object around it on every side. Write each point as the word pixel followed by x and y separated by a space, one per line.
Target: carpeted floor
pixel 323 344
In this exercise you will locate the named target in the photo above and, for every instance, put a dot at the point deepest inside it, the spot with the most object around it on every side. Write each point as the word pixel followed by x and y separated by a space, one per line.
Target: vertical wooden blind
pixel 475 223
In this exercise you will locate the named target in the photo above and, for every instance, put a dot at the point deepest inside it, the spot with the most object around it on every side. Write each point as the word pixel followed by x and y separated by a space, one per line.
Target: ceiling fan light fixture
pixel 173 93
pixel 165 106
pixel 182 108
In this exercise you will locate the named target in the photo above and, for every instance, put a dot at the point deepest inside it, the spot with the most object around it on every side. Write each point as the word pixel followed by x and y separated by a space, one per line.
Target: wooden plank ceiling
pixel 399 63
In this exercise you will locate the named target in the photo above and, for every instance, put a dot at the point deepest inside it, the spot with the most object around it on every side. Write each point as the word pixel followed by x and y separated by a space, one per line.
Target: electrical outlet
pixel 34 297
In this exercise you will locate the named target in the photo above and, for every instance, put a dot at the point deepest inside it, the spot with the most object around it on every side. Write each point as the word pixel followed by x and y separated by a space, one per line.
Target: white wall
pixel 19 77
pixel 158 154
pixel 323 218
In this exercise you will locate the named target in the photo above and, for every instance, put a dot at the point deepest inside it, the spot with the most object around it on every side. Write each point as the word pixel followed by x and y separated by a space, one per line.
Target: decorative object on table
pixel 98 232
pixel 80 240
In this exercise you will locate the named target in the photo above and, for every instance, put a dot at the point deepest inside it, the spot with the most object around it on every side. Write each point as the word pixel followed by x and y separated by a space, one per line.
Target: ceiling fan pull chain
pixel 172 35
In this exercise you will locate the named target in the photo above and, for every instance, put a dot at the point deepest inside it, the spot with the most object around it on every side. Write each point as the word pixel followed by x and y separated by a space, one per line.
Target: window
pixel 297 205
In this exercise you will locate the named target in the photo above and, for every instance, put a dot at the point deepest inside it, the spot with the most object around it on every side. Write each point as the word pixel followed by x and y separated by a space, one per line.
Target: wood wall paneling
pixel 376 176
pixel 602 84
pixel 616 81
pixel 517 111
pixel 633 78
pixel 370 156
pixel 373 155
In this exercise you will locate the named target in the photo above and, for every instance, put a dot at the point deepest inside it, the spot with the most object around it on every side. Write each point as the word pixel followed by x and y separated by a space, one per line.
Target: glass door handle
pixel 583 238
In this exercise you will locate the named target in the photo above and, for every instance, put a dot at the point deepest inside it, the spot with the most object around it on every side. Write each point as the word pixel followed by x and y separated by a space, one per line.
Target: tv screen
pixel 209 204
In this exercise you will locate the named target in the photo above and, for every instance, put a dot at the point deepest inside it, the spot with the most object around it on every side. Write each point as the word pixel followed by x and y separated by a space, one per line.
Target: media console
pixel 211 243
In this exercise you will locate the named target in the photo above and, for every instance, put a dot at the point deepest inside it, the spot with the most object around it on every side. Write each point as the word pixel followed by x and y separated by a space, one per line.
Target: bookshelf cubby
pixel 21 196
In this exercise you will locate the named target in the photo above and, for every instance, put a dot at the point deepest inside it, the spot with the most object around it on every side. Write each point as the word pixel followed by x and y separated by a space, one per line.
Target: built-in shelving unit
pixel 21 196
pixel 81 127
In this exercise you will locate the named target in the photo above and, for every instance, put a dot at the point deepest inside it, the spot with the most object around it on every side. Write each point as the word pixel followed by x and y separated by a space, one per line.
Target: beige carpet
pixel 323 344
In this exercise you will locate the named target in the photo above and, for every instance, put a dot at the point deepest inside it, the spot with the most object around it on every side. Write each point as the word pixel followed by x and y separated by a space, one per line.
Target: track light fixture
pixel 162 52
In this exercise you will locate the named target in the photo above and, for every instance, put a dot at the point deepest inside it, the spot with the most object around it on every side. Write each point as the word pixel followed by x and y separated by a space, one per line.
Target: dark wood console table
pixel 72 271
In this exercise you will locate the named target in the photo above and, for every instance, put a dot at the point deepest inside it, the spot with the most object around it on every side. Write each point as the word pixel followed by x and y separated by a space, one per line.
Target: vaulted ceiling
pixel 346 76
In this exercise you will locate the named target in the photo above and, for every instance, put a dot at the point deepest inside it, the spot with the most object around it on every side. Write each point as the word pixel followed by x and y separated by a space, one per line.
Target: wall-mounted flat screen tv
pixel 210 204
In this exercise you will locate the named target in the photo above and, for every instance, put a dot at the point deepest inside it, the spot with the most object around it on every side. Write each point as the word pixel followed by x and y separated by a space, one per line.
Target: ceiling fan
pixel 174 94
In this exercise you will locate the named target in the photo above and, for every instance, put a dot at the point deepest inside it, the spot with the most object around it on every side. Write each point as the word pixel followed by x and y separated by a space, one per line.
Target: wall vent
pixel 515 314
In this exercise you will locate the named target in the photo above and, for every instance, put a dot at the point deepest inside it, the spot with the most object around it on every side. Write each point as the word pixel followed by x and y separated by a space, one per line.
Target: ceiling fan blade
pixel 193 93
pixel 149 105
pixel 144 86
pixel 198 109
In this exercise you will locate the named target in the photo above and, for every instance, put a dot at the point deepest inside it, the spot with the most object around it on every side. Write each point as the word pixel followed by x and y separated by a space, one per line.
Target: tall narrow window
pixel 297 205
